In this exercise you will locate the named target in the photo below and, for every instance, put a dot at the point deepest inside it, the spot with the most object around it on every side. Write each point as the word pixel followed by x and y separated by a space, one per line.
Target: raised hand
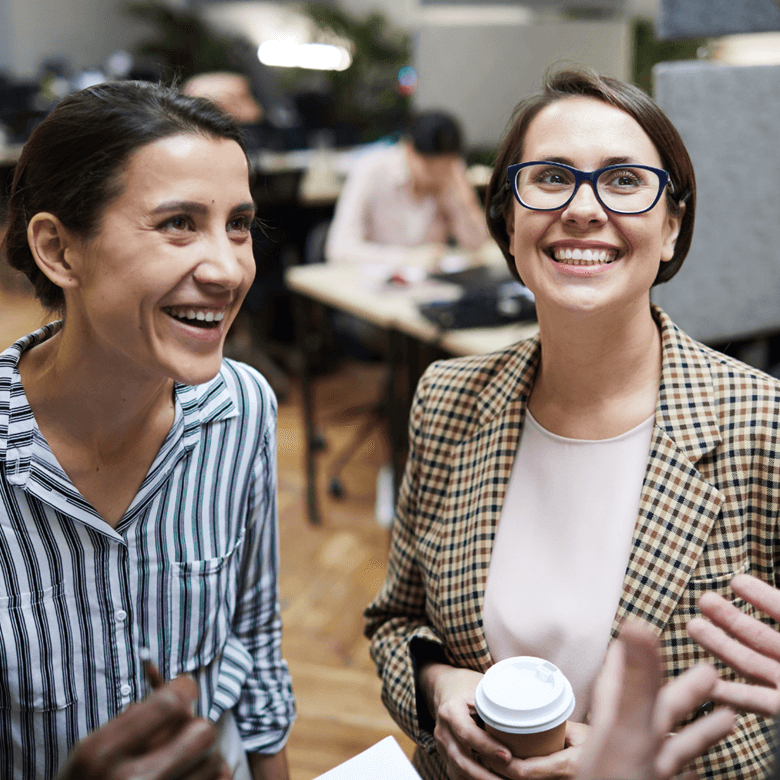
pixel 633 713
pixel 749 646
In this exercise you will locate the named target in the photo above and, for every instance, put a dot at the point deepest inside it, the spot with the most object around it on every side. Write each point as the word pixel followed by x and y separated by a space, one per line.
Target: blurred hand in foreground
pixel 747 645
pixel 155 739
pixel 633 714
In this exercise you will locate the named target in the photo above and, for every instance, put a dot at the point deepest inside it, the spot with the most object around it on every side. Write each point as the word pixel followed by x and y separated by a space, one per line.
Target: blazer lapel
pixel 473 503
pixel 677 507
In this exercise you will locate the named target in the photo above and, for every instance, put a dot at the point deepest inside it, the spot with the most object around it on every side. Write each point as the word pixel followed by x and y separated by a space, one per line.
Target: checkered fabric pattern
pixel 708 510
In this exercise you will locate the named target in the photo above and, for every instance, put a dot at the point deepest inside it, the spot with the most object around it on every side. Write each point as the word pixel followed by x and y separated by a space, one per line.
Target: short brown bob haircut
pixel 585 83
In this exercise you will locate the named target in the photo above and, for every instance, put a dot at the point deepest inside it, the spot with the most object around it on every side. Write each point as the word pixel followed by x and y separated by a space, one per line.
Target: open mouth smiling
pixel 577 256
pixel 195 316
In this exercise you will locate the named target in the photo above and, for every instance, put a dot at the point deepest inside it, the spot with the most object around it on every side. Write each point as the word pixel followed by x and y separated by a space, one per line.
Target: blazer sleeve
pixel 396 622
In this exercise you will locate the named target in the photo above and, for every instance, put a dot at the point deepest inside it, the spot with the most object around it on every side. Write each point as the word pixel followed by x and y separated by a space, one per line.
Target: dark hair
pixel 72 164
pixel 435 132
pixel 637 104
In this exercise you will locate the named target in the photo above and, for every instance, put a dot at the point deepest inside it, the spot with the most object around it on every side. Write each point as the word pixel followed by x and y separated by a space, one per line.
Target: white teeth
pixel 200 315
pixel 578 256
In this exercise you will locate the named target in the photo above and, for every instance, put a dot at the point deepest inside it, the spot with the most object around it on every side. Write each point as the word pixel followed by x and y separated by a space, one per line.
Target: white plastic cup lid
pixel 524 695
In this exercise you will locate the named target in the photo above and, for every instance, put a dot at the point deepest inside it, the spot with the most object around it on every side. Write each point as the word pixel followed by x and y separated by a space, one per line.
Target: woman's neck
pixel 599 375
pixel 78 395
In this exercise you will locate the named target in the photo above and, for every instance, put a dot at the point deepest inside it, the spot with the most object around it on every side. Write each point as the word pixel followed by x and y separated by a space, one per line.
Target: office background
pixel 477 60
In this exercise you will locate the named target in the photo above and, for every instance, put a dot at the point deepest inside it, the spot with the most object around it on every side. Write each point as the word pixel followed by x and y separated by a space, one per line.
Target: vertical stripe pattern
pixel 190 572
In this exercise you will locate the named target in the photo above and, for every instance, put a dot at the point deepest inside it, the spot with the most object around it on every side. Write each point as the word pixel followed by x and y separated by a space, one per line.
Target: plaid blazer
pixel 708 510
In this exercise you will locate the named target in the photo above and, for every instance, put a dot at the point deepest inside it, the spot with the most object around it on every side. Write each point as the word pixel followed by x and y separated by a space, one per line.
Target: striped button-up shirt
pixel 190 573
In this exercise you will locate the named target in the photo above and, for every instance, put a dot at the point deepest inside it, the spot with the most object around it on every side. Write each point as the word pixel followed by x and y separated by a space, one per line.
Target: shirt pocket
pixel 717 581
pixel 38 652
pixel 203 595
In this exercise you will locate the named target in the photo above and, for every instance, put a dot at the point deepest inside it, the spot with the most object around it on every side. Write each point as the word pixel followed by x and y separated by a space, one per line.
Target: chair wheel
pixel 336 488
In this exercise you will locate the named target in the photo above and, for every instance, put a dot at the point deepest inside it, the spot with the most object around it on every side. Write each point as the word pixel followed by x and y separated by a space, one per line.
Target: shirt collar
pixel 199 405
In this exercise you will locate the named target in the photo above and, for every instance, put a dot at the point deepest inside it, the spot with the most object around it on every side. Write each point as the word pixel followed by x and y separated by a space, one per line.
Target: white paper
pixel 383 761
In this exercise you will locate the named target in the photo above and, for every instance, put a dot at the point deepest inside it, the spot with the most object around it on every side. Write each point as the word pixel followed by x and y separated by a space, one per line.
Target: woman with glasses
pixel 609 468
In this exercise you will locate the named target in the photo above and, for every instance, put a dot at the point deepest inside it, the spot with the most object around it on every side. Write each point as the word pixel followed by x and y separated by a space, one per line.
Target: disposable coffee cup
pixel 524 703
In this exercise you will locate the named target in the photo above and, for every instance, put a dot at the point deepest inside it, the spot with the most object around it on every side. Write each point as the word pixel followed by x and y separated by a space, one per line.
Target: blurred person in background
pixel 230 91
pixel 138 514
pixel 404 204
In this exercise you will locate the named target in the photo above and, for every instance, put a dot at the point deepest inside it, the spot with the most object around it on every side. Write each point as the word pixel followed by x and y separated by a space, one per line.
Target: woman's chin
pixel 198 372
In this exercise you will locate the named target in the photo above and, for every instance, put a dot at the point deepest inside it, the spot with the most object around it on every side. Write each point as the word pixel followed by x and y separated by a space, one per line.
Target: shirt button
pixel 125 690
pixel 120 616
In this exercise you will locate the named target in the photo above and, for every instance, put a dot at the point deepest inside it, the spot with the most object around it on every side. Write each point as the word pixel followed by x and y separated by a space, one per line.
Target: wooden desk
pixel 394 309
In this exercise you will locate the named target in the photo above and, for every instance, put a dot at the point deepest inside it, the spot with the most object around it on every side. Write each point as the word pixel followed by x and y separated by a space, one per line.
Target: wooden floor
pixel 328 573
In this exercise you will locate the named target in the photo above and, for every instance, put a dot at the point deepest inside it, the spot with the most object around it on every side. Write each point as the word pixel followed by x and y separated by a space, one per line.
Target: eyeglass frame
pixel 664 179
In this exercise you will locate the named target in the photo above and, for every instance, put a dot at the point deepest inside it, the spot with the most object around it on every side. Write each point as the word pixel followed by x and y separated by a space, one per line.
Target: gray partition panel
pixel 729 118
pixel 709 18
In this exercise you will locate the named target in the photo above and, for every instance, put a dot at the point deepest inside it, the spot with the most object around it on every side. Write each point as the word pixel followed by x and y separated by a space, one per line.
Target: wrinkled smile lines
pixel 582 256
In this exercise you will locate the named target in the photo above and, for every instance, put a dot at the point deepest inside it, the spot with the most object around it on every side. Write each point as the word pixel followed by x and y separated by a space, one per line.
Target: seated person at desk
pixel 138 513
pixel 402 204
pixel 609 467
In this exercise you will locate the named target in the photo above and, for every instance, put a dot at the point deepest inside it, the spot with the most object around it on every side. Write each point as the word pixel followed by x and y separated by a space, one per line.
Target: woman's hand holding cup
pixel 464 747
pixel 471 753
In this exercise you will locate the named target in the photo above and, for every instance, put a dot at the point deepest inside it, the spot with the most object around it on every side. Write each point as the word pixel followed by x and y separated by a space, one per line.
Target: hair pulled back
pixel 637 104
pixel 72 164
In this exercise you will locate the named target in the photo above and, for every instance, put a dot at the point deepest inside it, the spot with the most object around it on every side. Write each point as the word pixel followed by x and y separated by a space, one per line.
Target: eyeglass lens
pixel 625 189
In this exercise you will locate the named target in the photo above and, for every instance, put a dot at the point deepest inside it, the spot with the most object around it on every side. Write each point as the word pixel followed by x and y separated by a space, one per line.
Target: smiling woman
pixel 137 467
pixel 609 467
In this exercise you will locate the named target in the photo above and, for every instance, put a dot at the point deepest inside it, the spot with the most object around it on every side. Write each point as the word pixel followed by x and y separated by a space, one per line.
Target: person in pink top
pixel 402 204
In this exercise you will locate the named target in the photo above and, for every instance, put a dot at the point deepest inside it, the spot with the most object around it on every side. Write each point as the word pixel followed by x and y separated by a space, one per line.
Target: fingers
pixel 741 653
pixel 166 707
pixel 678 698
pixel 623 706
pixel 641 676
pixel 758 593
pixel 190 753
pixel 694 740
pixel 463 746
pixel 563 764
pixel 576 733
pixel 151 739
pixel 744 697
pixel 746 629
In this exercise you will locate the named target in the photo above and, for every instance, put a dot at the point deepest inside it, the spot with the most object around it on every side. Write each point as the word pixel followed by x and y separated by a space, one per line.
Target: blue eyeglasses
pixel 622 189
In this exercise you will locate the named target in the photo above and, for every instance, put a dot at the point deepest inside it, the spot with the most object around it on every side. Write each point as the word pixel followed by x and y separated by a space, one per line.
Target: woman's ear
pixel 51 244
pixel 672 230
pixel 509 222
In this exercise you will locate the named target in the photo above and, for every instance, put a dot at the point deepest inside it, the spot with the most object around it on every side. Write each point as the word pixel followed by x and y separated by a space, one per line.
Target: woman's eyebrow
pixel 605 162
pixel 194 207
pixel 242 208
pixel 618 161
pixel 190 206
